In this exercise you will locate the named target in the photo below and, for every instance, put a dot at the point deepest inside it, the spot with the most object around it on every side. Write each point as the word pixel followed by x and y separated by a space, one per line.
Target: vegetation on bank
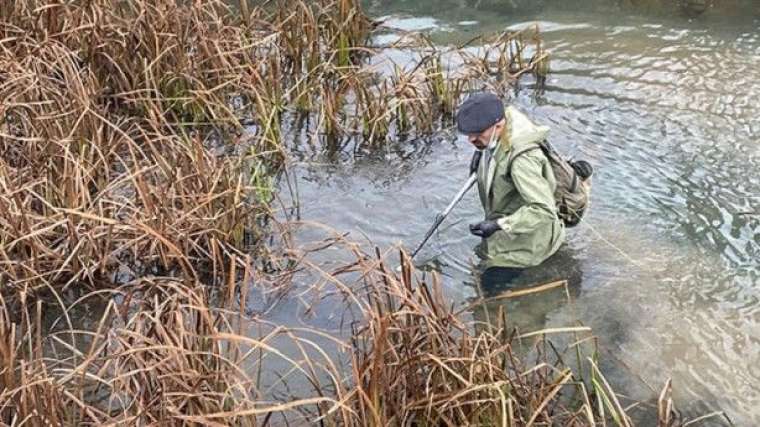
pixel 139 141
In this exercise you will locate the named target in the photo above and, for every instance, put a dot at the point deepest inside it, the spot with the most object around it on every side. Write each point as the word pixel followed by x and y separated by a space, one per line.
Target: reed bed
pixel 113 115
pixel 164 353
pixel 139 144
pixel 144 136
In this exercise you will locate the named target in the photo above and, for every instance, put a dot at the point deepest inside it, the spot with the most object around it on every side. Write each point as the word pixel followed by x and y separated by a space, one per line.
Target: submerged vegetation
pixel 139 145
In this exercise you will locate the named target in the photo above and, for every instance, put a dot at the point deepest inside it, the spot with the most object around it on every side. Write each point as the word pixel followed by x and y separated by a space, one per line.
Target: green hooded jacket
pixel 522 201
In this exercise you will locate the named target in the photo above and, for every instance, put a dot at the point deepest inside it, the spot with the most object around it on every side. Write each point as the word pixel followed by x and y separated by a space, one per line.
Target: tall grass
pixel 115 115
pixel 163 353
pixel 139 142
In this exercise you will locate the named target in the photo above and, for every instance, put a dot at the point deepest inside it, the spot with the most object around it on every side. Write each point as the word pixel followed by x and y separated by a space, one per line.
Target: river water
pixel 665 267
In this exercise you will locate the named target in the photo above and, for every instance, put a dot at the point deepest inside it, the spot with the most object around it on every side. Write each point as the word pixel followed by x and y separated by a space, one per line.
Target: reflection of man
pixel 521 227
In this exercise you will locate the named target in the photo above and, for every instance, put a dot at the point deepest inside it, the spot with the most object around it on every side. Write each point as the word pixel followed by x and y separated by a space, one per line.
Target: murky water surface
pixel 665 268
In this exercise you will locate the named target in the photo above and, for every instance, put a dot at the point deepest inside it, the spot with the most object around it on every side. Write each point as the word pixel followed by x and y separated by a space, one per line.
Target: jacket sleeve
pixel 539 208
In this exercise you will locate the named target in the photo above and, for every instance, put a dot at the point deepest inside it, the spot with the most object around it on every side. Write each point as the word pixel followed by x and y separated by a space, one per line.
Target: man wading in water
pixel 521 227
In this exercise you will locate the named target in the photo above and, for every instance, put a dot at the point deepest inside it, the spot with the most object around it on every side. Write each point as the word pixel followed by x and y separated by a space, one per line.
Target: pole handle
pixel 441 216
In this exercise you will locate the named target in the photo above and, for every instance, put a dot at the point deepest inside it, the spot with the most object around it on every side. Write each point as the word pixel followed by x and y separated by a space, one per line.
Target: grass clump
pixel 122 127
pixel 140 142
pixel 163 352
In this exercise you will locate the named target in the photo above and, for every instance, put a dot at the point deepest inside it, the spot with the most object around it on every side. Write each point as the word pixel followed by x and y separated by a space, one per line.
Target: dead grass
pixel 163 353
pixel 139 143
pixel 121 126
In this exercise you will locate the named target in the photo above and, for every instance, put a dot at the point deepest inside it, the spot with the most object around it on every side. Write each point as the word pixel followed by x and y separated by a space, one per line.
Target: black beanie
pixel 479 112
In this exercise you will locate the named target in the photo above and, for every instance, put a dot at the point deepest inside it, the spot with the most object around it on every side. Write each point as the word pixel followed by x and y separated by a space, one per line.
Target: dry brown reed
pixel 127 171
pixel 115 114
pixel 112 118
pixel 161 354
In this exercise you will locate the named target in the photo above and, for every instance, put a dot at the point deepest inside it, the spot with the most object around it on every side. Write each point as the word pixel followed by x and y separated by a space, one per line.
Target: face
pixel 481 140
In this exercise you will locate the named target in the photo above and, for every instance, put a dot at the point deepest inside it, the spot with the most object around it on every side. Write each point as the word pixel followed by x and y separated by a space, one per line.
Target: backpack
pixel 573 182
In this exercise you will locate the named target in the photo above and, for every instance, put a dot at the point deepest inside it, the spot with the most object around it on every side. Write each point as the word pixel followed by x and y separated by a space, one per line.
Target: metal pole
pixel 441 216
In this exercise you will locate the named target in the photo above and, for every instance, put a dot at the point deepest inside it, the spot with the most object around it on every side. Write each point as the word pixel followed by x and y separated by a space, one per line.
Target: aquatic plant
pixel 139 144
pixel 171 351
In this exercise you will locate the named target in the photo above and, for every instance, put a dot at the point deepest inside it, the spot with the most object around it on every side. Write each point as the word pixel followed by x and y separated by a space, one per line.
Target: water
pixel 665 267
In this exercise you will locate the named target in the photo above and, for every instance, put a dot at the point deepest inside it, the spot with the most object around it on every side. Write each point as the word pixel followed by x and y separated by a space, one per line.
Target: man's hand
pixel 485 228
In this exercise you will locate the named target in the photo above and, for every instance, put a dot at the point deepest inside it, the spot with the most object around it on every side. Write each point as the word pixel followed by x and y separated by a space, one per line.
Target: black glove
pixel 475 161
pixel 485 228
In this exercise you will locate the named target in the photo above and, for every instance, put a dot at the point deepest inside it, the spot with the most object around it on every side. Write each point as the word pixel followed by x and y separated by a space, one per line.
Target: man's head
pixel 481 118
